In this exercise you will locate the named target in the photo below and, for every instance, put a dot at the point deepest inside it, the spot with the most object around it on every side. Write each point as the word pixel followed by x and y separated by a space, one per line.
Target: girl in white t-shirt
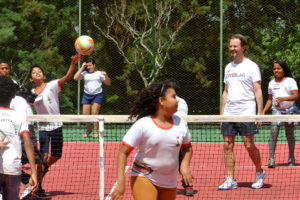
pixel 158 135
pixel 283 93
pixel 92 95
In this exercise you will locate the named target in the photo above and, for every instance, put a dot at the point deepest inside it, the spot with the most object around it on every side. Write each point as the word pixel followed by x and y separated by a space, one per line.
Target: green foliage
pixel 44 32
pixel 283 43
pixel 37 32
pixel 112 99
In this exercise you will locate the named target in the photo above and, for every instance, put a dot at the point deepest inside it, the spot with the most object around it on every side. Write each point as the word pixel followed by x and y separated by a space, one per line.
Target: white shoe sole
pixel 230 188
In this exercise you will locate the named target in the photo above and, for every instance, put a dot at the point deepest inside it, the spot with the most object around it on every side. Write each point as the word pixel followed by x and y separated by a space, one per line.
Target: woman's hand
pixel 186 174
pixel 118 191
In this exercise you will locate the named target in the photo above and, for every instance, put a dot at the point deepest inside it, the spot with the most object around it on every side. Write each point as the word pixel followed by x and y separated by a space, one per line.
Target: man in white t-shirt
pixel 242 90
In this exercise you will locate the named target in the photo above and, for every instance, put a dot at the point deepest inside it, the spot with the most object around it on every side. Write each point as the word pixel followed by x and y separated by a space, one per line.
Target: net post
pixel 101 157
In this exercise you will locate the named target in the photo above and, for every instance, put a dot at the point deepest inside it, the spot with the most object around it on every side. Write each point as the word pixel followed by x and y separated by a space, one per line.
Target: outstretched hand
pixel 118 192
pixel 75 58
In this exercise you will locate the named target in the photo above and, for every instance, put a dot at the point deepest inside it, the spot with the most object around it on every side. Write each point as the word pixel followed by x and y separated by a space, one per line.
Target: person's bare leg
pixel 289 133
pixel 253 151
pixel 41 168
pixel 95 111
pixel 142 189
pixel 229 155
pixel 52 160
pixel 86 110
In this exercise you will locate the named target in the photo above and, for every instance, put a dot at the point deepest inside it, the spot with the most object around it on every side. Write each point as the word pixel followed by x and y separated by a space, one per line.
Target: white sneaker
pixel 228 184
pixel 259 180
pixel 26 192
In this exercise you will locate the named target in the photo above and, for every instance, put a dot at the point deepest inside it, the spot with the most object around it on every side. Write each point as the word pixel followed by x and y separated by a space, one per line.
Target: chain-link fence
pixel 142 41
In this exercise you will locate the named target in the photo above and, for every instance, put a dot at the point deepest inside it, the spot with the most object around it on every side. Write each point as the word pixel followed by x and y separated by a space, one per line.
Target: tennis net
pixel 87 169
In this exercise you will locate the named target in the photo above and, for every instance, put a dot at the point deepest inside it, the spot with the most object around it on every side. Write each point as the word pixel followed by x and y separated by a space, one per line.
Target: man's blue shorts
pixel 241 128
pixel 91 99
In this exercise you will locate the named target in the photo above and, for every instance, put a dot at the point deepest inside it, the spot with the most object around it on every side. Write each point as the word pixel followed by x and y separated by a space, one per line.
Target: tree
pixel 131 28
pixel 39 32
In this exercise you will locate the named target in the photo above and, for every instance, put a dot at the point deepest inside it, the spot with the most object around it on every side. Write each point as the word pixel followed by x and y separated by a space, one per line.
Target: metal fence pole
pixel 153 36
pixel 79 63
pixel 221 51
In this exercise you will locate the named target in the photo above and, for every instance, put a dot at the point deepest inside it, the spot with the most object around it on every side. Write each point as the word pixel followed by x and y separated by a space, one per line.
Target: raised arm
pixel 69 74
pixel 77 75
pixel 107 79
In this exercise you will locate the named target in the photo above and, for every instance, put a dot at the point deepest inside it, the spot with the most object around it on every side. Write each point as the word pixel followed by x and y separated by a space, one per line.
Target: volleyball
pixel 84 45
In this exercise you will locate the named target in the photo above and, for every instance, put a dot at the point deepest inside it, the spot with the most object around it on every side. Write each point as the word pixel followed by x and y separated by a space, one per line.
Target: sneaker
pixel 188 189
pixel 291 162
pixel 41 194
pixel 271 163
pixel 26 193
pixel 259 180
pixel 228 184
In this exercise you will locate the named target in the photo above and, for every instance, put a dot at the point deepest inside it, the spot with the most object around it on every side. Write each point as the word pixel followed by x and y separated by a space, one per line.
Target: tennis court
pixel 76 175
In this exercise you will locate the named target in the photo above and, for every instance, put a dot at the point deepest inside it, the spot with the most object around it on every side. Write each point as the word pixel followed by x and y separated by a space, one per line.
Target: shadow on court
pixel 181 192
pixel 56 193
pixel 248 185
pixel 286 165
pixel 53 194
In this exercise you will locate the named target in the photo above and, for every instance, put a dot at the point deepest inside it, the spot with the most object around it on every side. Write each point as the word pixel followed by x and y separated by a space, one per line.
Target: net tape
pixel 189 118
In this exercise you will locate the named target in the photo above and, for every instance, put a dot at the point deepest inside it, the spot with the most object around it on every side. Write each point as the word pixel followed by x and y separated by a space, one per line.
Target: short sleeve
pixel 133 136
pixel 270 91
pixel 102 77
pixel 293 85
pixel 224 79
pixel 54 86
pixel 83 73
pixel 24 125
pixel 256 76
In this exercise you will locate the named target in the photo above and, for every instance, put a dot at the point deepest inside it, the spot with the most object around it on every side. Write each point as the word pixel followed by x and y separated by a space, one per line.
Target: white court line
pixel 112 189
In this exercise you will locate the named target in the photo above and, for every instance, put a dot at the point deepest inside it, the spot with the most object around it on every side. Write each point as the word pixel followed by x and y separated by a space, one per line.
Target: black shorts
pixel 37 153
pixel 239 128
pixel 56 138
